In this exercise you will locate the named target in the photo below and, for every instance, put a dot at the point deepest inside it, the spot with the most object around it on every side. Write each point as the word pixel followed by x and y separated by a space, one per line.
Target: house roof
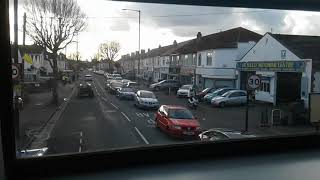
pixel 31 49
pixel 227 39
pixel 305 47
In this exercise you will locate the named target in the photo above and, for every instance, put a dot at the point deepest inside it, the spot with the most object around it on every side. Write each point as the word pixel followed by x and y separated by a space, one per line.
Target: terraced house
pixel 207 61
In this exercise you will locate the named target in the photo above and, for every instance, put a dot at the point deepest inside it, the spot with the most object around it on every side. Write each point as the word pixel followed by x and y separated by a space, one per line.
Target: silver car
pixel 216 134
pixel 146 99
pixel 233 97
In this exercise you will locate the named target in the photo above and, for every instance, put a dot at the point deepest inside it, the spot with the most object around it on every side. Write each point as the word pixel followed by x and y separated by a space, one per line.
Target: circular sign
pixel 254 82
pixel 15 71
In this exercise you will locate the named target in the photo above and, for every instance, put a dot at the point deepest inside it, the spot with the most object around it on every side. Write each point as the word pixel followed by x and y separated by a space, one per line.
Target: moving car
pixel 207 98
pixel 222 134
pixel 85 89
pixel 88 77
pixel 204 92
pixel 187 90
pixel 146 99
pixel 233 97
pixel 126 93
pixel 114 86
pixel 165 84
pixel 177 121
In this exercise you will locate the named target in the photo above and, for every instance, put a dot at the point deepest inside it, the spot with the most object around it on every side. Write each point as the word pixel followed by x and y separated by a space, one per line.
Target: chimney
pixel 199 35
pixel 175 42
pixel 148 49
pixel 159 46
pixel 132 54
pixel 142 51
pixel 137 52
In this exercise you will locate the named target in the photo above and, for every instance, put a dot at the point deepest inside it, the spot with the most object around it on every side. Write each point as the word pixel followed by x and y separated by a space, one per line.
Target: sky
pixel 162 24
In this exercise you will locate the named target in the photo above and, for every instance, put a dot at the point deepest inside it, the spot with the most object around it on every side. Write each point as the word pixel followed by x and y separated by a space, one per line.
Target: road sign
pixel 254 82
pixel 15 71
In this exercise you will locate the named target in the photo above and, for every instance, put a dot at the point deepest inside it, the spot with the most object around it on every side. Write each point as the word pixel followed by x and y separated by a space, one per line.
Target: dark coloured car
pixel 204 92
pixel 114 86
pixel 126 93
pixel 85 89
pixel 165 84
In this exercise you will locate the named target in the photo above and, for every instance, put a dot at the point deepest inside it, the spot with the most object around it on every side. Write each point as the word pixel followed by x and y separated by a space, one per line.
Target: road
pixel 105 122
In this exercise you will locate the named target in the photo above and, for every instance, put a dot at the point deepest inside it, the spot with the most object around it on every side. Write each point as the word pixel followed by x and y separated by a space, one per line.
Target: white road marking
pixel 80 148
pixel 139 114
pixel 80 133
pixel 146 114
pixel 80 141
pixel 125 116
pixel 151 121
pixel 141 135
pixel 110 111
pixel 114 106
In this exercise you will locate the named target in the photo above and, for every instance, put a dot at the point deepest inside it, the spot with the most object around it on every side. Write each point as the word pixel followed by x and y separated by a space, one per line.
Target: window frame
pixel 93 161
pixel 209 57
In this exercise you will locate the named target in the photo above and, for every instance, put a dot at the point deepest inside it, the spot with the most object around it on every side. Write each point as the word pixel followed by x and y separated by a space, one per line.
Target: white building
pixel 217 55
pixel 289 66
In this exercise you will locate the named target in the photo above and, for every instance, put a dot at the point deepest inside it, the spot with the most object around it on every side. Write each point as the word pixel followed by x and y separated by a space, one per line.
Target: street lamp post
pixel 135 10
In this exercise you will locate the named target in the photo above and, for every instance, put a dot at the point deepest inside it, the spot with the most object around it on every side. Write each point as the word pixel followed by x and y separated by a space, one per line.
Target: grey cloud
pixel 222 18
pixel 120 26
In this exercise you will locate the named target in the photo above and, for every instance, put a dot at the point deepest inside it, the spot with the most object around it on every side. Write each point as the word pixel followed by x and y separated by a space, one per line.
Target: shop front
pixel 187 75
pixel 282 82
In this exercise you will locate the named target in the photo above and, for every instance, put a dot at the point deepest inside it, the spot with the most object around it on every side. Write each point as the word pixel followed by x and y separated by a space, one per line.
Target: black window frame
pixel 103 160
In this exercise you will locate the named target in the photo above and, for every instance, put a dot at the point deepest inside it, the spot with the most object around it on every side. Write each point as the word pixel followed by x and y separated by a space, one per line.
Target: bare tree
pixel 53 24
pixel 75 56
pixel 109 50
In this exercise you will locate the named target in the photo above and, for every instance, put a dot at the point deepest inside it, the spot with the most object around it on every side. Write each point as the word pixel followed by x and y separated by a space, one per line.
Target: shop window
pixel 209 59
pixel 265 86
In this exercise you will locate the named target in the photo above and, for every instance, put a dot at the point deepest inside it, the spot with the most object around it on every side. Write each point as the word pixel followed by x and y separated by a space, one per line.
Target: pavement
pixel 38 111
pixel 104 123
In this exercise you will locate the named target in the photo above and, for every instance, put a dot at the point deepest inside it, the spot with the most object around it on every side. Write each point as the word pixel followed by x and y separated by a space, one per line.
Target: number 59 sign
pixel 254 82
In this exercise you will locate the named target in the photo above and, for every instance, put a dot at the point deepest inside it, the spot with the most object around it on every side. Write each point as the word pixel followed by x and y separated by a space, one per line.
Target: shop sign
pixel 278 66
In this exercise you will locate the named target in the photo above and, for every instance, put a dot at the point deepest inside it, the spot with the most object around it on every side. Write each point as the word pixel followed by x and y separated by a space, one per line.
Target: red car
pixel 177 121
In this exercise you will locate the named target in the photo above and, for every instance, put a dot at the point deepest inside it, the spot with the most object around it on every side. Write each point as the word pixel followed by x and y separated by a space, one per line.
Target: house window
pixel 265 86
pixel 163 62
pixel 199 60
pixel 209 59
pixel 186 56
pixel 194 59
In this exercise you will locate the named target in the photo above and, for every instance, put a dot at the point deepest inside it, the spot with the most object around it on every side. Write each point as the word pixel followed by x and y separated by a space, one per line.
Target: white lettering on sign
pixel 254 82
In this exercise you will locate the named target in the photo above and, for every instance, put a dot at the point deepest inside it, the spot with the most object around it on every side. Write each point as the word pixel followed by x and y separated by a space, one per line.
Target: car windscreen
pixel 186 87
pixel 180 114
pixel 147 95
pixel 127 90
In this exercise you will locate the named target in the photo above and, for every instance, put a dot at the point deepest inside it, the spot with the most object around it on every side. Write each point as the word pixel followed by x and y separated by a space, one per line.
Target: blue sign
pixel 277 66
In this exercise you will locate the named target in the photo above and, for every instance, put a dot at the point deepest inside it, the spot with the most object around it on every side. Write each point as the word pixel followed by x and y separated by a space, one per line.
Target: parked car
pixel 187 90
pixel 116 76
pixel 165 84
pixel 222 134
pixel 88 77
pixel 125 81
pixel 233 97
pixel 177 121
pixel 146 99
pixel 114 86
pixel 208 97
pixel 133 85
pixel 85 89
pixel 204 92
pixel 126 93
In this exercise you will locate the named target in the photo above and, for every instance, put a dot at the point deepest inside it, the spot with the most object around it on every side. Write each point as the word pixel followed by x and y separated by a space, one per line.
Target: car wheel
pixel 222 104
pixel 157 88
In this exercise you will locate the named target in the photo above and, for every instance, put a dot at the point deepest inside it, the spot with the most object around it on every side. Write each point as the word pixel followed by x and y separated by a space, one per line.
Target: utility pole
pixel 139 35
pixel 77 55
